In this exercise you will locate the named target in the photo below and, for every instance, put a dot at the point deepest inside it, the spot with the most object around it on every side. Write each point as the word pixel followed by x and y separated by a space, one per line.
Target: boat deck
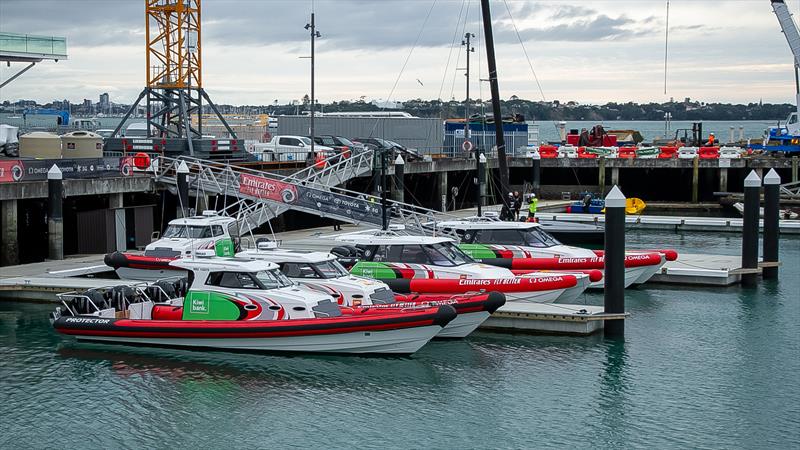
pixel 673 223
pixel 708 270
pixel 549 318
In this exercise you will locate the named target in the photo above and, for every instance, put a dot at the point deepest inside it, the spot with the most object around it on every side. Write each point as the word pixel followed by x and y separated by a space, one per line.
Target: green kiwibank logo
pixel 199 305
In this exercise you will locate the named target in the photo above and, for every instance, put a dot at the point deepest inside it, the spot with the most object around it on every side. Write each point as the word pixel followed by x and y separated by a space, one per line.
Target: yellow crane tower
pixel 174 92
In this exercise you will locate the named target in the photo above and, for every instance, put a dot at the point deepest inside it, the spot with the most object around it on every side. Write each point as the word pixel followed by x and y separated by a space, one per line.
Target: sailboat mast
pixel 498 118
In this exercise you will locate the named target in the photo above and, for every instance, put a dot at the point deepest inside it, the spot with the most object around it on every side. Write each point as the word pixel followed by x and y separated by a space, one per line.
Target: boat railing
pixel 139 288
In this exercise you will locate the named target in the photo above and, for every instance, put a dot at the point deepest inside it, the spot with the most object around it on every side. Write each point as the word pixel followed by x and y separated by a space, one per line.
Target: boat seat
pixel 181 287
pixel 166 292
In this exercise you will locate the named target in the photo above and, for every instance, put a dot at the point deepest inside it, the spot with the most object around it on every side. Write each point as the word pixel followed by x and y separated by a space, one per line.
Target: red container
pixel 627 152
pixel 668 152
pixel 708 153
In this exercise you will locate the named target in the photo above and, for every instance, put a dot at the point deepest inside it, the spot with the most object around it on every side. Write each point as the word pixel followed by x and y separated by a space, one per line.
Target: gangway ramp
pixel 263 196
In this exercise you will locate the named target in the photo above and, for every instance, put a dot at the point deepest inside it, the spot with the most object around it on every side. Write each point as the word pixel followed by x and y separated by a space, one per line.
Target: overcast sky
pixel 587 51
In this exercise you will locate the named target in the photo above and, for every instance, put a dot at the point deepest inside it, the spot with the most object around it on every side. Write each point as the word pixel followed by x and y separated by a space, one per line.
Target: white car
pixel 287 148
pixel 687 152
pixel 731 152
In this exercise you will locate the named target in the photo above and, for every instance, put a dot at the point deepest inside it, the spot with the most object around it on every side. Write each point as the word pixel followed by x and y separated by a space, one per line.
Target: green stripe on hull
pixel 209 305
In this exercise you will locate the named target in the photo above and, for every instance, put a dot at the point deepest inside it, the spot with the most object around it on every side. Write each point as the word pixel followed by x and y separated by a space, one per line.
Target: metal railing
pixel 219 178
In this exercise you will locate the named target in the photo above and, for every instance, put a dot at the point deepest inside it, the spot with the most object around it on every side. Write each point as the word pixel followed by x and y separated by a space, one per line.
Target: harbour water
pixel 699 368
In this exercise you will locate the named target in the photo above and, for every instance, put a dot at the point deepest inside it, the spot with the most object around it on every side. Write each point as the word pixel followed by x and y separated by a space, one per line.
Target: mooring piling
pixel 752 200
pixel 614 279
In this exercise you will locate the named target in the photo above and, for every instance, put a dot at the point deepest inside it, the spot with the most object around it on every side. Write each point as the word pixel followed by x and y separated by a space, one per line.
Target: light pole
pixel 314 35
pixel 470 49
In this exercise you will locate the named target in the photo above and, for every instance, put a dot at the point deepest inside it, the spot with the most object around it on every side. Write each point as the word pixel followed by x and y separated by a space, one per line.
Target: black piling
pixel 183 189
pixel 536 173
pixel 752 203
pixel 772 194
pixel 614 279
pixel 55 213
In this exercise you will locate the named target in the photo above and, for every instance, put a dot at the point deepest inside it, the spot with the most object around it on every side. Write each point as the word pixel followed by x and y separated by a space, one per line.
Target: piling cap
pixel 615 198
pixel 752 180
pixel 183 168
pixel 399 160
pixel 772 177
pixel 54 173
pixel 482 159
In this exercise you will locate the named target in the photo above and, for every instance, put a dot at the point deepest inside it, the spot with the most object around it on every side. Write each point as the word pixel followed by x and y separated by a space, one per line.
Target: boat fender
pixel 495 301
pixel 444 315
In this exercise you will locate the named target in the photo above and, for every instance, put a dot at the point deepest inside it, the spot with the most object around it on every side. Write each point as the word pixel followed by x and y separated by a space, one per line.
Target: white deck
pixel 712 270
pixel 549 318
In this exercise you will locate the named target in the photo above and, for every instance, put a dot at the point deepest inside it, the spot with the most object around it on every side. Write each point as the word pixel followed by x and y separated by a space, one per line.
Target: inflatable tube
pixel 117 259
pixel 489 301
pixel 669 255
pixel 371 320
pixel 583 263
pixel 166 312
pixel 595 275
pixel 460 286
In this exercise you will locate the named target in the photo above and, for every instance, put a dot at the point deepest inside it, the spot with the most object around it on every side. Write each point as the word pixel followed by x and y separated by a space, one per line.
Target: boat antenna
pixel 384 201
pixel 666 49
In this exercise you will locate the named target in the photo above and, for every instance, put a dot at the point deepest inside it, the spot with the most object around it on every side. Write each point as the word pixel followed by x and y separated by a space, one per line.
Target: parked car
pixel 340 149
pixel 395 148
pixel 285 148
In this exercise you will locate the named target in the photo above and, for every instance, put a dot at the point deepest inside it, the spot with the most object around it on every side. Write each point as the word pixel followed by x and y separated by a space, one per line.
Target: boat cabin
pixel 436 251
pixel 208 230
pixel 499 232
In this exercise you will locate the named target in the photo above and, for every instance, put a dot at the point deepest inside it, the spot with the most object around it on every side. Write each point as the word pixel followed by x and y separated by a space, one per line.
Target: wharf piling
pixel 601 184
pixel 752 200
pixel 183 189
pixel 695 179
pixel 536 173
pixel 399 179
pixel 9 251
pixel 772 195
pixel 55 213
pixel 614 279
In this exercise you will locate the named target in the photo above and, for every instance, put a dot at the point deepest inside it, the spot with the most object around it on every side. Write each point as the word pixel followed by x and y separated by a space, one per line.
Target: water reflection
pixel 613 394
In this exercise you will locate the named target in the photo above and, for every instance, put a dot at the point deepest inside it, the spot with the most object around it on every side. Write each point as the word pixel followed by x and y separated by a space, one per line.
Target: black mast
pixel 498 118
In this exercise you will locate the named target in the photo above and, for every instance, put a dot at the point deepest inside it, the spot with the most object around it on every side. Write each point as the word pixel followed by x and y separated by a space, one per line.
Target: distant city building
pixel 105 104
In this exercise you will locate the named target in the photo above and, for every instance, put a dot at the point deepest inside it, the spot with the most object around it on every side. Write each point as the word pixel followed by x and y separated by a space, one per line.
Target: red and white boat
pixel 235 304
pixel 525 247
pixel 390 256
pixel 322 272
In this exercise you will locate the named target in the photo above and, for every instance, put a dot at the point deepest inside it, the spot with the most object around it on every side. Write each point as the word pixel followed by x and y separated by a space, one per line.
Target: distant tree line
pixel 555 110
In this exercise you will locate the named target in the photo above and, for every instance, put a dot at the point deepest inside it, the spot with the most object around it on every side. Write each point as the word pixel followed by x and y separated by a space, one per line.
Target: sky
pixel 586 51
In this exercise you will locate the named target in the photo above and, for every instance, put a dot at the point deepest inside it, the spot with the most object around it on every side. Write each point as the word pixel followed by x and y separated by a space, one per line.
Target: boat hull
pixel 463 325
pixel 403 341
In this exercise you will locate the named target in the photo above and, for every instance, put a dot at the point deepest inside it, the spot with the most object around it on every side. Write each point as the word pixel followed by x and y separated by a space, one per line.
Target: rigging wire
pixel 458 56
pixel 405 63
pixel 666 49
pixel 450 53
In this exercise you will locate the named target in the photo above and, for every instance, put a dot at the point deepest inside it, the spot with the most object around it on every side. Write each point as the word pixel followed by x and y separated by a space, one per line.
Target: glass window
pixel 414 254
pixel 217 230
pixel 298 270
pixel 305 140
pixel 272 279
pixel 187 231
pixel 327 140
pixel 285 141
pixel 536 237
pixel 502 237
pixel 447 254
pixel 388 253
pixel 233 280
pixel 344 141
pixel 331 269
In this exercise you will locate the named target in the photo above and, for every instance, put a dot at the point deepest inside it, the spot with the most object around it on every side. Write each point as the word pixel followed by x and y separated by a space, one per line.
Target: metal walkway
pixel 263 196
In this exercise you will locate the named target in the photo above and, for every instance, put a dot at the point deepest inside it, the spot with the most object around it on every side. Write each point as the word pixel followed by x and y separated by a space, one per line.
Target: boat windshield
pixel 447 254
pixel 331 269
pixel 536 237
pixel 273 279
pixel 188 231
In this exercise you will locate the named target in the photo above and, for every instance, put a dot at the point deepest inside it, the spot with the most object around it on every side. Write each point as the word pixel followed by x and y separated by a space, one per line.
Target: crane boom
pixel 788 27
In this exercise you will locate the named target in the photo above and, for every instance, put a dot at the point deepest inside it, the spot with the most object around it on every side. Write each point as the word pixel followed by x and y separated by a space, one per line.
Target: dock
pixel 549 318
pixel 703 270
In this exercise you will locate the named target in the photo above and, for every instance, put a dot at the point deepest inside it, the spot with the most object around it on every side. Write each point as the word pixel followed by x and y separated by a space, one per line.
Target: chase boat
pixel 322 272
pixel 237 304
pixel 435 265
pixel 182 237
pixel 524 247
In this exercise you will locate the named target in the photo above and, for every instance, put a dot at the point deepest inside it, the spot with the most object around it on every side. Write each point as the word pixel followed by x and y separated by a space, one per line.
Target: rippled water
pixel 699 368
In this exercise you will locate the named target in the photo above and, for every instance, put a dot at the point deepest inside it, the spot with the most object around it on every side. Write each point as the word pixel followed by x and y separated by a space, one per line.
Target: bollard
pixel 536 173
pixel 55 214
pixel 399 179
pixel 730 139
pixel 614 279
pixel 481 181
pixel 752 197
pixel 183 189
pixel 772 195
pixel 741 133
